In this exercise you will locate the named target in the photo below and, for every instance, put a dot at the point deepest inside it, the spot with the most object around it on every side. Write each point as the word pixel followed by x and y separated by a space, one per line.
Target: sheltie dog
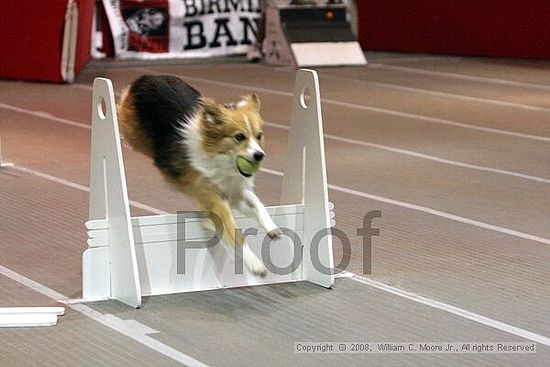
pixel 195 143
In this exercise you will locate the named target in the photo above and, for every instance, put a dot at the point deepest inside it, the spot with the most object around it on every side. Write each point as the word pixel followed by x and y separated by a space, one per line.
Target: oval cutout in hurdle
pixel 128 258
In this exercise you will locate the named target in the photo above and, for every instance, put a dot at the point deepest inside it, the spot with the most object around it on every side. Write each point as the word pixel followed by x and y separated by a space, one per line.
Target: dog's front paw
pixel 275 233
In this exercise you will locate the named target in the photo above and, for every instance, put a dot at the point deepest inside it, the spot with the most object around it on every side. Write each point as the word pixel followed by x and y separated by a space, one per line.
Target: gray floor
pixel 453 151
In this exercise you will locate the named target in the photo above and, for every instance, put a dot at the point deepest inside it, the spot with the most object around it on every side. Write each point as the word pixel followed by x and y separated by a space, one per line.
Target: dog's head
pixel 233 130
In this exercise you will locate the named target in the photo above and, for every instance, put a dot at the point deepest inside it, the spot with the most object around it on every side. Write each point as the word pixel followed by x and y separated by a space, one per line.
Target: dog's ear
pixel 212 111
pixel 251 100
pixel 254 101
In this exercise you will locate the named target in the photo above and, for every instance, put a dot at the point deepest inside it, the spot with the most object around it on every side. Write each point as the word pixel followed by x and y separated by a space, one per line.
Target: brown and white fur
pixel 195 142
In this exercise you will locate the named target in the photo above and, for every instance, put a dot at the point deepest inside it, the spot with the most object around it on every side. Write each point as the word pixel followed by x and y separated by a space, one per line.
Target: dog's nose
pixel 258 156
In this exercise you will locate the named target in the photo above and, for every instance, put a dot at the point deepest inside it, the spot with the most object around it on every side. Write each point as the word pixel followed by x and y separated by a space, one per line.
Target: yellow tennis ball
pixel 247 167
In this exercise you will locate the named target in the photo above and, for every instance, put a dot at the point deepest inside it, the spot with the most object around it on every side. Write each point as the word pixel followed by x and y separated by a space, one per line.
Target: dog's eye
pixel 259 136
pixel 240 137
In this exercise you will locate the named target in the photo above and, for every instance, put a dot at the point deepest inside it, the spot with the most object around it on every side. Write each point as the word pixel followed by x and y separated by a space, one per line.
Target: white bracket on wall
pixel 3 164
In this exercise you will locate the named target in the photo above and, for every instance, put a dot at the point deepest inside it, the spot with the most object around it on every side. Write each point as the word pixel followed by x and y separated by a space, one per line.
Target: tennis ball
pixel 247 167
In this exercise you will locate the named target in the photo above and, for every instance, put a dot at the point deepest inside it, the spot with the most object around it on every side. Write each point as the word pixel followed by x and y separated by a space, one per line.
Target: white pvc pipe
pixel 27 320
pixel 59 311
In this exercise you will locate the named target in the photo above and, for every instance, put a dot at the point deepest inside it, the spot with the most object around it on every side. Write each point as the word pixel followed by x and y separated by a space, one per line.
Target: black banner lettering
pixel 195 39
pixel 222 30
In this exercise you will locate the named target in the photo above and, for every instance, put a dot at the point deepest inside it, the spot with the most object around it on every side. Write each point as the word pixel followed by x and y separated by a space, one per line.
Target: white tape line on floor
pixel 455 311
pixel 468 77
pixel 424 156
pixel 438 94
pixel 133 330
pixel 366 281
pixel 410 153
pixel 386 111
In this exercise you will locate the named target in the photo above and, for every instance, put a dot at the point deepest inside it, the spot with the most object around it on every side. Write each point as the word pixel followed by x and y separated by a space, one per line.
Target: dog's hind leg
pixel 221 215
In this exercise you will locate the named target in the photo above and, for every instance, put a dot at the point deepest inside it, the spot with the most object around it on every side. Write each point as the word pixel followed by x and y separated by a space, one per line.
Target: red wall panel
pixel 32 36
pixel 84 44
pixel 504 28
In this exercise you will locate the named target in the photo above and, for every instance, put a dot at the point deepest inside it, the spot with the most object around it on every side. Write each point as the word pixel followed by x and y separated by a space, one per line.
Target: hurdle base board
pixel 156 241
pixel 328 54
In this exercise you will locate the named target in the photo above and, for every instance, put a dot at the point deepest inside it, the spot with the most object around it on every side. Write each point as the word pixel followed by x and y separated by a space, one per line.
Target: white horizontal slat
pixel 173 218
pixel 164 228
pixel 328 53
pixel 286 220
pixel 193 231
pixel 206 268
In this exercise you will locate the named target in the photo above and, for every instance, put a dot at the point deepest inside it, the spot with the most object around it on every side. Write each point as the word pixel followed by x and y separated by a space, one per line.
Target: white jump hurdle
pixel 128 258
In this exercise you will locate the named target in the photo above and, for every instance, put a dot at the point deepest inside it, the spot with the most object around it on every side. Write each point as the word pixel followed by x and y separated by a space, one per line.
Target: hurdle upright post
pixel 109 196
pixel 305 179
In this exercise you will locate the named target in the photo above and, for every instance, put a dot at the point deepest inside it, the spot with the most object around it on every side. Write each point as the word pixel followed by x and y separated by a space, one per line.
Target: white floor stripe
pixel 461 76
pixel 439 213
pixel 457 311
pixel 225 84
pixel 414 58
pixel 365 195
pixel 370 109
pixel 440 160
pixel 45 115
pixel 74 185
pixel 431 211
pixel 424 156
pixel 327 136
pixel 110 321
pixel 346 190
pixel 434 93
pixel 183 358
pixel 441 121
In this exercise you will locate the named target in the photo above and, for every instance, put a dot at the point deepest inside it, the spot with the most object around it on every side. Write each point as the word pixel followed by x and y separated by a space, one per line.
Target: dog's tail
pixel 130 127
